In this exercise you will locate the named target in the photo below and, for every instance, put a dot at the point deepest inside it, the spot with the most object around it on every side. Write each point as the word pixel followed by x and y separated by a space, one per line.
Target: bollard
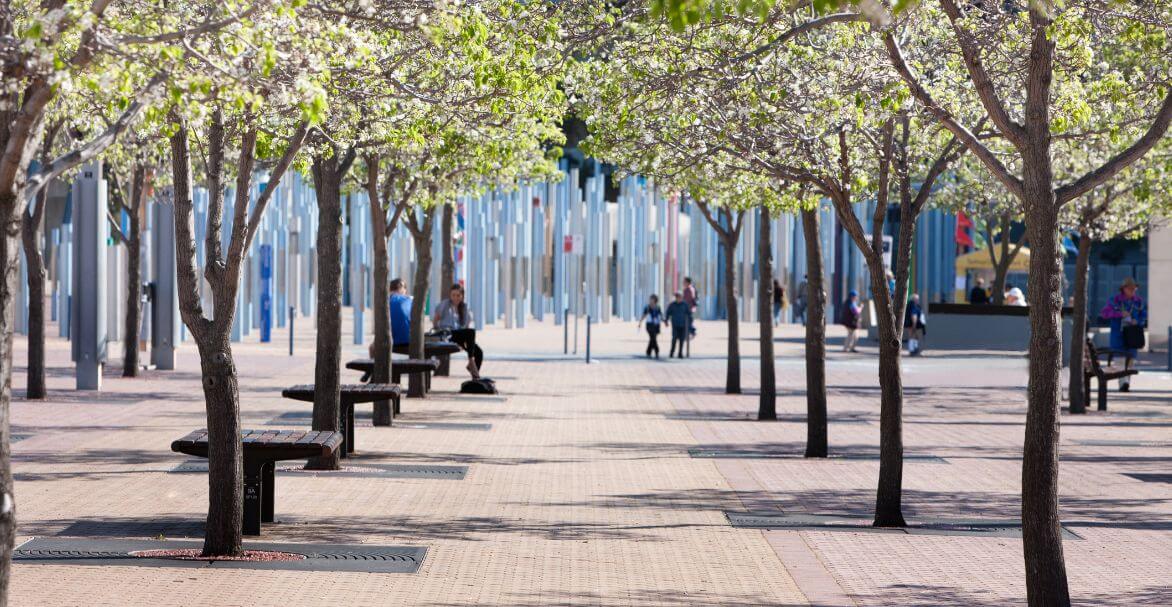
pixel 1168 345
pixel 566 332
pixel 291 317
pixel 576 334
pixel 587 339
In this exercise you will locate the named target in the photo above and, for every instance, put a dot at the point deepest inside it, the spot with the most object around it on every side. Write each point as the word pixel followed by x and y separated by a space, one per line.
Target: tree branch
pixel 971 141
pixel 1121 160
pixel 293 146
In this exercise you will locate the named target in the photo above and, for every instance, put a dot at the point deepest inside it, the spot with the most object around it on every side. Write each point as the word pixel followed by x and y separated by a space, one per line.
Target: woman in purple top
pixel 1126 309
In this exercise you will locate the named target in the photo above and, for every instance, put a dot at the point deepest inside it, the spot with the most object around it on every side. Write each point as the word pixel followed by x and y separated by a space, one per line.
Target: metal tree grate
pixel 702 453
pixel 297 468
pixel 442 426
pixel 318 557
pixel 925 526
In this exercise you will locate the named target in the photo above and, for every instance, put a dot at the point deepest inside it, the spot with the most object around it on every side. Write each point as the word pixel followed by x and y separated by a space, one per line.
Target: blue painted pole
pixel 266 293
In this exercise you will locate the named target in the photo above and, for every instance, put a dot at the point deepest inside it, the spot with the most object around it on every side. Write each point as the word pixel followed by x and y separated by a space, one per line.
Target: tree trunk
pixel 225 451
pixel 447 261
pixel 1000 278
pixel 11 210
pixel 1078 398
pixel 889 495
pixel 421 283
pixel 381 374
pixel 732 382
pixel 33 237
pixel 1046 582
pixel 327 372
pixel 133 276
pixel 817 441
pixel 767 404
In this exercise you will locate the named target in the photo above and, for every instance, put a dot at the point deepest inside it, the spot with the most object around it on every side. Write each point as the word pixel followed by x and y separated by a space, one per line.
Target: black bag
pixel 483 385
pixel 1133 337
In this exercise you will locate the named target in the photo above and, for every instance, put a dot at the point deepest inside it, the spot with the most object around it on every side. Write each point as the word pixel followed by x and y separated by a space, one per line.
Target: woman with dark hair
pixel 452 315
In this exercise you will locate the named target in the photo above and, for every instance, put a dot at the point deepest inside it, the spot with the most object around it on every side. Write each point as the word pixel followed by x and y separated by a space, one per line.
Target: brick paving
pixel 583 492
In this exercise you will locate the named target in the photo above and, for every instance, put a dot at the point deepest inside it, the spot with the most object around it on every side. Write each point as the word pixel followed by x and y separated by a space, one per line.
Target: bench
pixel 418 374
pixel 1092 367
pixel 349 395
pixel 261 449
pixel 439 349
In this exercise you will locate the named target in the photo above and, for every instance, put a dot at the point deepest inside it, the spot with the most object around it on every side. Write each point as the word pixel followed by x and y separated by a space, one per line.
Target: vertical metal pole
pixel 88 315
pixel 165 307
pixel 292 315
pixel 566 332
pixel 587 339
pixel 576 317
pixel 1169 346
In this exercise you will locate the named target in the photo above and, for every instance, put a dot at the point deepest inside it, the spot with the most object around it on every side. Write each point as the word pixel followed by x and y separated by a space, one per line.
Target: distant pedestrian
pixel 1014 297
pixel 890 284
pixel 692 300
pixel 978 295
pixel 851 312
pixel 915 325
pixel 1128 315
pixel 779 301
pixel 654 316
pixel 801 300
pixel 679 316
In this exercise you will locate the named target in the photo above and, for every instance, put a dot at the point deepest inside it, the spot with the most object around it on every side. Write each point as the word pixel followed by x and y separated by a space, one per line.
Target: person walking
pixel 1128 315
pixel 852 311
pixel 978 295
pixel 801 300
pixel 452 315
pixel 778 301
pixel 679 316
pixel 915 325
pixel 654 316
pixel 1014 297
pixel 691 299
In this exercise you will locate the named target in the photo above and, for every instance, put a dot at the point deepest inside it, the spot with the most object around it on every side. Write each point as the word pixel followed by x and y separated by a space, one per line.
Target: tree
pixel 644 92
pixel 1127 207
pixel 1049 81
pixel 33 238
pixel 46 50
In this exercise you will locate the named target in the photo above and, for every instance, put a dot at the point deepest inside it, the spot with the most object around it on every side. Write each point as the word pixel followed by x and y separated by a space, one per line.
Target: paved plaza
pixel 608 483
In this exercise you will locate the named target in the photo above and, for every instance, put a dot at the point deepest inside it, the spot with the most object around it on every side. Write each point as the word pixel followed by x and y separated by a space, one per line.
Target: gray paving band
pixel 296 468
pixel 318 557
pixel 1150 477
pixel 757 454
pixel 304 417
pixel 925 526
pixel 1122 443
pixel 723 416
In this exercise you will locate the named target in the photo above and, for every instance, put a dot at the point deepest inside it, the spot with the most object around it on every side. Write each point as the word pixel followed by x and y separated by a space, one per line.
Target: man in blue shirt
pixel 400 303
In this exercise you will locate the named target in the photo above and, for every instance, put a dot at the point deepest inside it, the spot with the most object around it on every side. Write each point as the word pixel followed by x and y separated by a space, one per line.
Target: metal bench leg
pixel 253 496
pixel 348 443
pixel 416 387
pixel 445 365
pixel 1102 394
pixel 395 403
pixel 268 493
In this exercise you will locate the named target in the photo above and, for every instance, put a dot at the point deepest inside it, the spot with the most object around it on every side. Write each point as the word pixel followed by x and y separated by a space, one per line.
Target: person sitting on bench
pixel 400 303
pixel 452 315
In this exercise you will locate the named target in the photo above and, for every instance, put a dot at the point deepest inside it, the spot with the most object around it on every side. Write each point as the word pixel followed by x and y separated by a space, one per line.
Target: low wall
pixel 985 327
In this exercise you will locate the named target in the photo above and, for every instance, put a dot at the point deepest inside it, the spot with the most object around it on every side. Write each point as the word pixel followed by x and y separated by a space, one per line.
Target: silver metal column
pixel 165 307
pixel 88 314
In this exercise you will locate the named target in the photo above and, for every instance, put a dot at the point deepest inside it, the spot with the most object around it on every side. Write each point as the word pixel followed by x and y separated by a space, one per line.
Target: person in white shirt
pixel 453 315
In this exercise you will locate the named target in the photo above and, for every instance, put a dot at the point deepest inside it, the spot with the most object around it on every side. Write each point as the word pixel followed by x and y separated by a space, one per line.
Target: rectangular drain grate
pixel 1150 477
pixel 441 426
pixel 929 526
pixel 754 454
pixel 1121 443
pixel 12 438
pixel 721 416
pixel 318 557
pixel 294 468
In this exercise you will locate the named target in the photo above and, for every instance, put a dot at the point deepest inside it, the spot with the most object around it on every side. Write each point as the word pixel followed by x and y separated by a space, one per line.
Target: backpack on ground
pixel 483 385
